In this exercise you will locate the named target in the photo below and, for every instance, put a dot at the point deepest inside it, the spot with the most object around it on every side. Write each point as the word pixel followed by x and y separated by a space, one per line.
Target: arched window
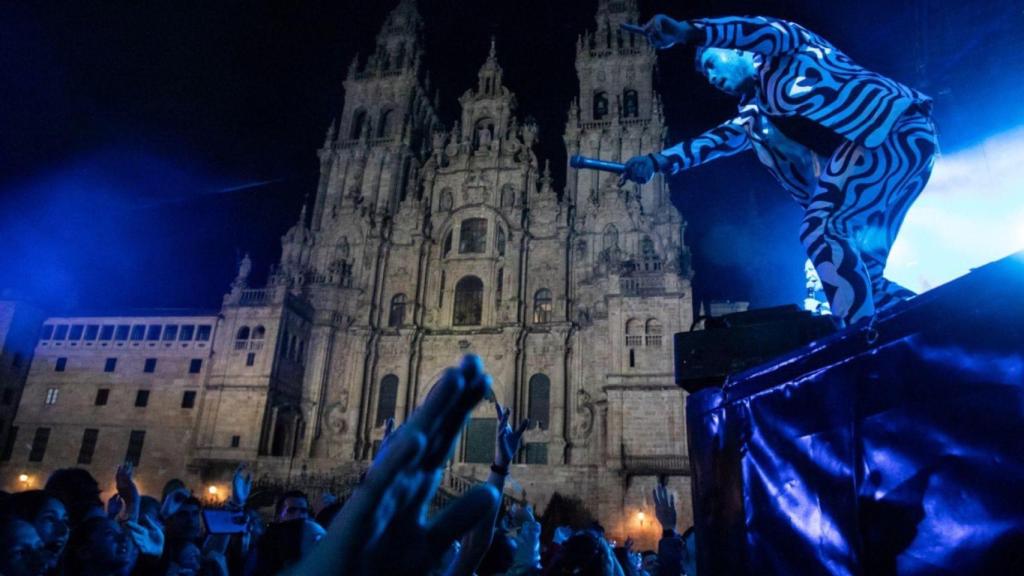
pixel 539 409
pixel 473 236
pixel 610 239
pixel 243 333
pixel 501 241
pixel 634 333
pixel 396 318
pixel 358 121
pixel 384 124
pixel 387 399
pixel 542 306
pixel 469 302
pixel 259 332
pixel 600 105
pixel 630 104
pixel 653 333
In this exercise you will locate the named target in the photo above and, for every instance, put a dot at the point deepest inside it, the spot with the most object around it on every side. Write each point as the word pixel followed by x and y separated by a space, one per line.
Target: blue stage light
pixel 971 213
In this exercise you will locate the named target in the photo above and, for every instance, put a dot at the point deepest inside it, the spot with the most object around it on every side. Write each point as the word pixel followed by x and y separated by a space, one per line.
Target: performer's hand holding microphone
pixel 639 169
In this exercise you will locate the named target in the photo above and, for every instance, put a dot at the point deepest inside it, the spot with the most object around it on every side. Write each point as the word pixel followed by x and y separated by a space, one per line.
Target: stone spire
pixel 490 73
pixel 546 180
pixel 332 132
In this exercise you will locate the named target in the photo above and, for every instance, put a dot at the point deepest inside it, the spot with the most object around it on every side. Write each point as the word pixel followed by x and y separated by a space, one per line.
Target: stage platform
pixel 890 448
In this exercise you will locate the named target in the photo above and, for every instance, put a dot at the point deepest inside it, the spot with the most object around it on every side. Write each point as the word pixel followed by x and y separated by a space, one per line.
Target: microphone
pixel 578 162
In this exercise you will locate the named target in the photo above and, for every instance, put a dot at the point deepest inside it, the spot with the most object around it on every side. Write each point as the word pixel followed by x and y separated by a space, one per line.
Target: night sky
pixel 146 145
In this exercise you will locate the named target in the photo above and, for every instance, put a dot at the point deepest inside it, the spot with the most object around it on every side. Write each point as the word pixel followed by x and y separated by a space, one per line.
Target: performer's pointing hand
pixel 661 31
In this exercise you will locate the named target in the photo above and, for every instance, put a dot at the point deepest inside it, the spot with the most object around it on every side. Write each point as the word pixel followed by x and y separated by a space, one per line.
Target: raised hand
pixel 172 502
pixel 147 536
pixel 383 527
pixel 661 31
pixel 665 507
pixel 507 441
pixel 128 492
pixel 389 431
pixel 241 486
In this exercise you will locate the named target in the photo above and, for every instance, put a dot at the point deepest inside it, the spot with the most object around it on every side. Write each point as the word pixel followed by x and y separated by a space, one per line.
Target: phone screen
pixel 224 521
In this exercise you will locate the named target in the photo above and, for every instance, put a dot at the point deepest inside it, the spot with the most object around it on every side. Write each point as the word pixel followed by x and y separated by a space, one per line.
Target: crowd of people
pixel 381 528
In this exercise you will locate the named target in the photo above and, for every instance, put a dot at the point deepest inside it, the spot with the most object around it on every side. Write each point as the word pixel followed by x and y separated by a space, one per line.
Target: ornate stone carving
pixel 585 412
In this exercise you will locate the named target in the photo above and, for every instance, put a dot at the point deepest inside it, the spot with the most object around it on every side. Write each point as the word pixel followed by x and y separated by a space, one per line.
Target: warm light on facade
pixel 23 478
pixel 640 518
pixel 212 490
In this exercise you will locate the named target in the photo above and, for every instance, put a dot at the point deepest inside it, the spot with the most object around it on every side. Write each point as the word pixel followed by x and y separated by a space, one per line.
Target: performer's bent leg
pixel 830 246
pixel 910 153
pixel 857 210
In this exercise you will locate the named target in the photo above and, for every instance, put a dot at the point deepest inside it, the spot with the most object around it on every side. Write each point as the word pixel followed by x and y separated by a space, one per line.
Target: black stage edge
pixel 894 448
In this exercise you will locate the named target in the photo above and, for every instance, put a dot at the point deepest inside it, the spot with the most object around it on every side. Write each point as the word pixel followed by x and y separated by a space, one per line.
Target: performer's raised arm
pixel 723 140
pixel 760 34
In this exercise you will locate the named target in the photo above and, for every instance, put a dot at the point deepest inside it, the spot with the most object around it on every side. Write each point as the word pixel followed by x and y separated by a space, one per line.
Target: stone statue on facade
pixel 244 268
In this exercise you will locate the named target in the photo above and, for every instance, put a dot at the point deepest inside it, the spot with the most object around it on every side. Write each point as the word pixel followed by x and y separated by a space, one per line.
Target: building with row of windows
pixel 424 242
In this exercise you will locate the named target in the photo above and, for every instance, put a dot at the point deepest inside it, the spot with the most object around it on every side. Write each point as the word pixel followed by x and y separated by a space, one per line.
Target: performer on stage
pixel 852 147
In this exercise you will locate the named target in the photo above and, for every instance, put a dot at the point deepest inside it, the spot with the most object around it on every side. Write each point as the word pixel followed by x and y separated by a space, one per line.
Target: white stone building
pixel 426 242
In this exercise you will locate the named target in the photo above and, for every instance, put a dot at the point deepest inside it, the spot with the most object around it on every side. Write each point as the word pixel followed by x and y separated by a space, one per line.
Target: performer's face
pixel 731 71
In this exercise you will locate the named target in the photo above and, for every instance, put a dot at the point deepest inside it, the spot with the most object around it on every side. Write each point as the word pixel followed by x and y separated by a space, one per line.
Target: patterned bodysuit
pixel 854 195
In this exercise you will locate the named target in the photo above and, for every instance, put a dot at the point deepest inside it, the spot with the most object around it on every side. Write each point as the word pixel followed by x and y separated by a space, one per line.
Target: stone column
pixel 314 385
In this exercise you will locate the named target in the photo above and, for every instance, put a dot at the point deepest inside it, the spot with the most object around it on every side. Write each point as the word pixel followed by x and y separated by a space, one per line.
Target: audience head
pixel 651 563
pixel 21 550
pixel 582 555
pixel 149 506
pixel 99 546
pixel 46 513
pixel 185 523
pixel 79 491
pixel 291 505
pixel 170 486
pixel 186 559
pixel 286 542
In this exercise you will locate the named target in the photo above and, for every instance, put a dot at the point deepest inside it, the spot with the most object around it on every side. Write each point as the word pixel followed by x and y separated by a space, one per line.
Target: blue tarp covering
pixel 894 448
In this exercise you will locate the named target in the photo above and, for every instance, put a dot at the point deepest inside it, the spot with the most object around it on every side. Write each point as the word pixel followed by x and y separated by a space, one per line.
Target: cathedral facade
pixel 425 242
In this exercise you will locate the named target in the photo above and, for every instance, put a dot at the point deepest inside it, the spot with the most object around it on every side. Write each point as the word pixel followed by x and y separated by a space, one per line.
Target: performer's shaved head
pixel 731 71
